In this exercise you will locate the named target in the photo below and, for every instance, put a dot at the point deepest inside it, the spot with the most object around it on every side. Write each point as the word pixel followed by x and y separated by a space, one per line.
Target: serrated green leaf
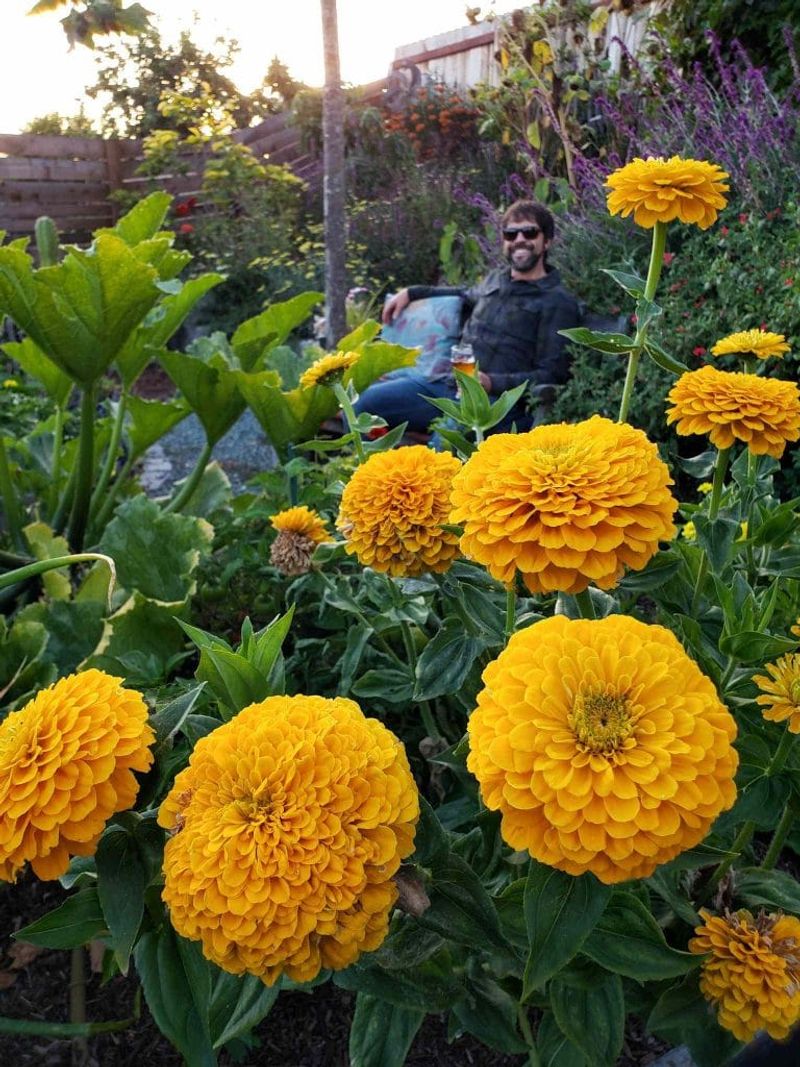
pixel 34 362
pixel 210 386
pixel 256 336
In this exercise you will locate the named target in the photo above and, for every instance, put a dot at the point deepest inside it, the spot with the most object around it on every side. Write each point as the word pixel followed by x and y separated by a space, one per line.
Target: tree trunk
pixel 334 179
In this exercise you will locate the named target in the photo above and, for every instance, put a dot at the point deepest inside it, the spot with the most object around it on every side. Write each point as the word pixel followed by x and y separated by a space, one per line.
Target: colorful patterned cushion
pixel 434 325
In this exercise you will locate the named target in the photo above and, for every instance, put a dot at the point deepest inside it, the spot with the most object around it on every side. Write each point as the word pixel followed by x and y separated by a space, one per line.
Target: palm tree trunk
pixel 334 178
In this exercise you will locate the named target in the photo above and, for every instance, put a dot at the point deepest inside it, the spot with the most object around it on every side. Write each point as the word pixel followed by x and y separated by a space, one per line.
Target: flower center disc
pixel 601 721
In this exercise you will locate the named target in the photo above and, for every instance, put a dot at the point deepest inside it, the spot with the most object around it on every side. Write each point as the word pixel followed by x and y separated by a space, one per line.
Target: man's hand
pixel 394 305
pixel 485 381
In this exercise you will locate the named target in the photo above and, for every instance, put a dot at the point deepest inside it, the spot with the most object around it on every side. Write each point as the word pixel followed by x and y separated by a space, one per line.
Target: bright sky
pixel 39 75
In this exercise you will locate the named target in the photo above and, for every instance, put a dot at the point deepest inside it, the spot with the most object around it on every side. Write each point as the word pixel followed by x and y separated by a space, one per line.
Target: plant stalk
pixel 428 719
pixel 102 517
pixel 511 610
pixel 650 286
pixel 85 466
pixel 11 505
pixel 778 838
pixel 527 1034
pixel 350 418
pixel 585 605
pixel 111 454
pixel 192 482
pixel 55 466
pixel 720 469
pixel 77 1003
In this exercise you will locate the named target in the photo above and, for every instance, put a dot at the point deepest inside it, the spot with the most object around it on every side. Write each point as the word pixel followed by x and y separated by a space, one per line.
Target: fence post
pixel 113 174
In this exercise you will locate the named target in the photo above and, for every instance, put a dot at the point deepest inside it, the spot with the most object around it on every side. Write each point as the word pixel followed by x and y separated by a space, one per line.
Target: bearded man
pixel 513 318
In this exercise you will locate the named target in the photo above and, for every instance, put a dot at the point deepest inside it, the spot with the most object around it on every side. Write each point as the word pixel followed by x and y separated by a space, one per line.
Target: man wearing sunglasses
pixel 512 319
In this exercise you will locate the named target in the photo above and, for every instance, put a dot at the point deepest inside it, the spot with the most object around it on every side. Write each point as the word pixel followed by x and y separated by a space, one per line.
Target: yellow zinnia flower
pixel 660 190
pixel 759 343
pixel 565 505
pixel 602 745
pixel 393 508
pixel 66 766
pixel 300 530
pixel 328 369
pixel 752 974
pixel 764 413
pixel 290 822
pixel 780 692
pixel 689 532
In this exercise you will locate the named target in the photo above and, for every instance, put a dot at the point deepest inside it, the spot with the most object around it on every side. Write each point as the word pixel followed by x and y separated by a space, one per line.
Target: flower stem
pixel 428 719
pixel 111 497
pixel 527 1034
pixel 350 418
pixel 585 605
pixel 740 843
pixel 720 469
pixel 85 467
pixel 41 566
pixel 111 454
pixel 55 467
pixel 650 286
pixel 192 482
pixel 11 506
pixel 778 838
pixel 511 610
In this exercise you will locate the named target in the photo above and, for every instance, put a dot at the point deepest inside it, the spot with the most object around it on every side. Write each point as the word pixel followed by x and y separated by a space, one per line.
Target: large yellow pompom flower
pixel 780 692
pixel 661 190
pixel 300 530
pixel 289 823
pixel 566 505
pixel 764 413
pixel 602 745
pixel 393 508
pixel 760 343
pixel 752 975
pixel 328 370
pixel 66 766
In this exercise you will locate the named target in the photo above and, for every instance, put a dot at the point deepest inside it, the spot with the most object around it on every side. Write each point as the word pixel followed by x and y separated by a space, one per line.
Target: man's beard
pixel 525 263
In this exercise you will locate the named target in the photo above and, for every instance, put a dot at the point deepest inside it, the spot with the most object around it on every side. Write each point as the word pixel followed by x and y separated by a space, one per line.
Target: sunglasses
pixel 530 233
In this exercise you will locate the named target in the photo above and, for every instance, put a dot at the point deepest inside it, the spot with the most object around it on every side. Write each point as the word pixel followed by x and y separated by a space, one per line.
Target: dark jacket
pixel 513 326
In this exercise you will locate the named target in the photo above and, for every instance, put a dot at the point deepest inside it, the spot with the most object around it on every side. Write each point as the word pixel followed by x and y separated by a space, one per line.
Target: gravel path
pixel 243 452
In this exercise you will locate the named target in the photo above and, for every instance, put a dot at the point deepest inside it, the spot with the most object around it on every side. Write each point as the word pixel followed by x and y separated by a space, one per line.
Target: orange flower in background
pixel 780 691
pixel 328 370
pixel 603 746
pixel 393 508
pixel 662 190
pixel 66 766
pixel 300 530
pixel 760 343
pixel 289 824
pixel 752 974
pixel 763 413
pixel 566 505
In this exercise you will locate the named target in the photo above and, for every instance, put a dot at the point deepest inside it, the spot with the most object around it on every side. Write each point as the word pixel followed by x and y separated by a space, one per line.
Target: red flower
pixel 376 432
pixel 698 351
pixel 668 258
pixel 759 288
pixel 788 282
pixel 186 227
pixel 634 319
pixel 724 231
pixel 743 218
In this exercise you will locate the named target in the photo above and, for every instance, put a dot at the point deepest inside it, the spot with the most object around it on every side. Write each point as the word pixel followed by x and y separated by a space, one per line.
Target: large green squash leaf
pixel 151 419
pixel 34 362
pixel 210 386
pixel 258 335
pixel 143 221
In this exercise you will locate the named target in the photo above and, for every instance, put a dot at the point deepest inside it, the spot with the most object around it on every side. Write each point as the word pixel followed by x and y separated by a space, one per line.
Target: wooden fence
pixel 71 179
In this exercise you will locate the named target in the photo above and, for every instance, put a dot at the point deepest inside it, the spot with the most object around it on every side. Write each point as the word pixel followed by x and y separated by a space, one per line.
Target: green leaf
pixel 79 919
pixel 646 312
pixel 381 1033
pixel 754 647
pixel 81 312
pixel 393 686
pixel 177 988
pixel 659 570
pixel 211 387
pixel 617 344
pixel 554 1047
pixel 446 660
pixel 775 890
pixel 407 945
pixel 357 640
pixel 140 642
pixel 144 220
pixel 490 1014
pixel 168 720
pixel 461 909
pixel 663 359
pixel 716 537
pixel 682 1016
pixel 560 913
pixel 238 1004
pixel 632 284
pixel 33 361
pixel 73 629
pixel 511 909
pixel 699 466
pixel 155 553
pixel 235 682
pixel 431 986
pixel 150 420
pixel 430 841
pixel 592 1018
pixel 629 941
pixel 121 882
pixel 256 336
pixel 762 800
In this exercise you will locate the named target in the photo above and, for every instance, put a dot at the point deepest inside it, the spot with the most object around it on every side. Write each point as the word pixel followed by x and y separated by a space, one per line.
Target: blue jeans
pixel 405 400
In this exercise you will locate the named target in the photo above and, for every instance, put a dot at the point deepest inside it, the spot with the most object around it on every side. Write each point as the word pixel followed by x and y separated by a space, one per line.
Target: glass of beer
pixel 463 358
